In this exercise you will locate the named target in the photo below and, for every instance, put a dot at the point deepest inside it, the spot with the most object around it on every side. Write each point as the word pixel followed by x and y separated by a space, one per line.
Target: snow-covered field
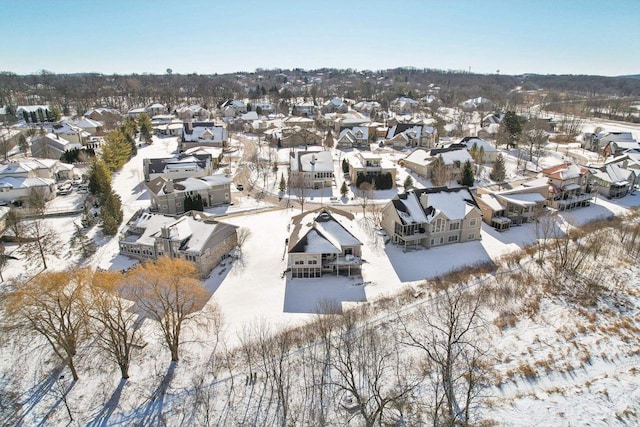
pixel 252 290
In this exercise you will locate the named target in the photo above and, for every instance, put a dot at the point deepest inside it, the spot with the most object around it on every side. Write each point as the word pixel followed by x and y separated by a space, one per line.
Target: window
pixel 298 262
pixel 471 236
pixel 472 222
pixel 453 239
pixel 312 261
pixel 438 225
pixel 454 226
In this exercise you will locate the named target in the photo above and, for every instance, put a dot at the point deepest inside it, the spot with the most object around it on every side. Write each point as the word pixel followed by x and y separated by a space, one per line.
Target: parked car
pixel 240 187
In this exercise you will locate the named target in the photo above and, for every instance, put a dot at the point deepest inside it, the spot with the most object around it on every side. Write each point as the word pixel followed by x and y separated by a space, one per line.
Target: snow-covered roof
pixel 203 132
pixel 194 235
pixel 85 123
pixel 320 231
pixel 523 199
pixel 491 201
pixel 449 157
pixel 25 183
pixel 453 203
pixel 312 161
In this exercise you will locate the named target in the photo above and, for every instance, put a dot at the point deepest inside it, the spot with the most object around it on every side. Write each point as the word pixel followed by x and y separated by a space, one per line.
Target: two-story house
pixel 196 237
pixel 403 135
pixel 321 243
pixel 311 169
pixel 432 217
pixel 178 167
pixel 370 164
pixel 454 157
pixel 355 137
pixel 513 206
pixel 569 186
pixel 169 197
pixel 205 134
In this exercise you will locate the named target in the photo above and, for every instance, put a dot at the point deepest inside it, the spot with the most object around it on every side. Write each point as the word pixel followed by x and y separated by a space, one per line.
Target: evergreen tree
pixel 34 117
pixel 511 127
pixel 360 179
pixel 116 150
pixel 40 115
pixel 498 172
pixel 99 179
pixel 144 124
pixel 87 219
pixel 23 144
pixel 111 214
pixel 80 241
pixel 345 166
pixel 467 174
pixel 408 183
pixel 54 113
pixel 283 185
pixel 25 116
pixel 344 189
pixel 188 203
pixel 198 205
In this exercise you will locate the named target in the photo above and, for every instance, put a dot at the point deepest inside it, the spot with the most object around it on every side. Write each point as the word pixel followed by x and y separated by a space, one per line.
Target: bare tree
pixel 168 292
pixel 364 194
pixel 52 305
pixel 39 240
pixel 368 377
pixel 300 190
pixel 447 332
pixel 117 327
pixel 243 234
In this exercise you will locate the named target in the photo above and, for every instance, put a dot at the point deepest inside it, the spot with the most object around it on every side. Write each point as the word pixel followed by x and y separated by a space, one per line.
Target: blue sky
pixel 135 36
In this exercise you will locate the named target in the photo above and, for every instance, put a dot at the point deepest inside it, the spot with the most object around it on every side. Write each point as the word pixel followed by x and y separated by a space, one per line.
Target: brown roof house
pixel 194 237
pixel 321 243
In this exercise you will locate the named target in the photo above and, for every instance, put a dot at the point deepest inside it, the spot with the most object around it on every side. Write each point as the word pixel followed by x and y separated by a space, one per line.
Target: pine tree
pixel 408 183
pixel 344 189
pixel 345 166
pixel 87 219
pixel 99 179
pixel 511 127
pixel 498 171
pixel 80 241
pixel 116 150
pixel 144 124
pixel 283 184
pixel 34 117
pixel 25 116
pixel 467 175
pixel 188 203
pixel 111 214
pixel 197 203
pixel 23 144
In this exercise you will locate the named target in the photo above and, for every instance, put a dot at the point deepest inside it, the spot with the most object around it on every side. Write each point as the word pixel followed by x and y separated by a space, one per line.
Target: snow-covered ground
pixel 252 289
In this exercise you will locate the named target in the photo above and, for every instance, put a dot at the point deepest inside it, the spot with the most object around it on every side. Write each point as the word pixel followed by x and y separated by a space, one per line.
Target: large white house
pixel 311 169
pixel 206 134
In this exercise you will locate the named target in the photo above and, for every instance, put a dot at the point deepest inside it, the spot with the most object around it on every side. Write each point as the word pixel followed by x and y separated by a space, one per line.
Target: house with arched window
pixel 431 217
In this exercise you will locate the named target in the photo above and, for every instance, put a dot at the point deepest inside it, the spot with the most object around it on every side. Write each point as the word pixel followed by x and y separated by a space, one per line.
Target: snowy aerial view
pixel 365 226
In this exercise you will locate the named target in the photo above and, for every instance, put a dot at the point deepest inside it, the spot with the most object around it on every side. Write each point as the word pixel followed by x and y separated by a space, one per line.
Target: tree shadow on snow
pixel 310 295
pixel 420 264
pixel 150 413
pixel 102 418
pixel 34 396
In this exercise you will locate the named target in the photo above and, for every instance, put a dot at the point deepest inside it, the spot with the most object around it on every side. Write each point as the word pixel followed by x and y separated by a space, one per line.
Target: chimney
pixel 424 200
pixel 168 186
